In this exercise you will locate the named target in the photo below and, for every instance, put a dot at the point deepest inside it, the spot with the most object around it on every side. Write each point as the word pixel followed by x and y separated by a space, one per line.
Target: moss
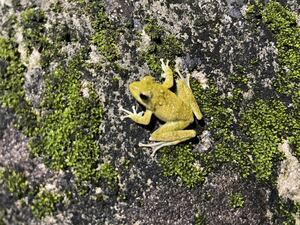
pixel 106 33
pixel 237 79
pixel 48 43
pixel 260 123
pixel 283 24
pixel 297 208
pixel 162 46
pixel 45 203
pixel 220 119
pixel 67 129
pixel 154 31
pixel 42 203
pixel 14 182
pixel 254 10
pixel 12 94
pixel 254 62
pixel 237 201
pixel 109 174
pixel 199 219
pixel 278 17
pixel 249 144
pixel 65 133
pixel 181 162
pixel 284 210
pixel 64 127
pixel 32 23
pixel 11 80
pixel 250 8
pixel 240 69
pixel 2 174
pixel 56 7
pixel 105 43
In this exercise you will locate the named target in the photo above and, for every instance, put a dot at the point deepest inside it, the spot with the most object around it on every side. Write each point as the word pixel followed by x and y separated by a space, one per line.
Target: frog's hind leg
pixel 170 133
pixel 185 93
pixel 186 79
pixel 173 131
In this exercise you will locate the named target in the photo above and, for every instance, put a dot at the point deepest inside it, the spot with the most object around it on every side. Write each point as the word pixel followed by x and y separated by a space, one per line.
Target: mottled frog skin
pixel 176 110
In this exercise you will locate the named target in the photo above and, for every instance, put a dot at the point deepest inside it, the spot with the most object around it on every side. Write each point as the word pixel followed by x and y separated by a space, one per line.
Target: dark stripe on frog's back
pixel 166 106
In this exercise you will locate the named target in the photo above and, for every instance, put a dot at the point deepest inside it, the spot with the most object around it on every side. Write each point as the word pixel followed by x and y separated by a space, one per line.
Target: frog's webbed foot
pixel 158 145
pixel 185 79
pixel 130 114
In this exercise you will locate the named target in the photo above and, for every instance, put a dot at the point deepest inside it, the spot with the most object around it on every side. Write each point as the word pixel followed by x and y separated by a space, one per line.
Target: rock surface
pixel 227 175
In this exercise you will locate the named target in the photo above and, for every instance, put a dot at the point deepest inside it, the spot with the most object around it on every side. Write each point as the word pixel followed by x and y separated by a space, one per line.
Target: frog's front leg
pixel 167 74
pixel 137 117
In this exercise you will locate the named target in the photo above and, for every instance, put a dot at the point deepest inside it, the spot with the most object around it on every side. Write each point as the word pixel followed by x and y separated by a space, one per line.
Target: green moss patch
pixel 199 219
pixel 68 126
pixel 162 45
pixel 181 162
pixel 32 23
pixel 64 127
pixel 283 24
pixel 45 203
pixel 108 173
pixel 106 34
pixel 41 202
pixel 65 132
pixel 249 144
pixel 237 201
pixel 12 94
pixel 11 76
pixel 264 131
pixel 14 182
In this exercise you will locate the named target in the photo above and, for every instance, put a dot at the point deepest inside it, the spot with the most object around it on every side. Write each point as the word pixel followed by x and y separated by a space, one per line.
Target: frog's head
pixel 142 90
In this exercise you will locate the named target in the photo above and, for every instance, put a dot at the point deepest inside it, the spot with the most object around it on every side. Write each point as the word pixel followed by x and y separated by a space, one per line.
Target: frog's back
pixel 166 106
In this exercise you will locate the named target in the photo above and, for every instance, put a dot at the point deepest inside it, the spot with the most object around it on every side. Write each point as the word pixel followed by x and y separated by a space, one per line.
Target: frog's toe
pixel 164 66
pixel 185 79
pixel 134 109
pixel 158 145
pixel 154 146
pixel 129 114
pixel 125 110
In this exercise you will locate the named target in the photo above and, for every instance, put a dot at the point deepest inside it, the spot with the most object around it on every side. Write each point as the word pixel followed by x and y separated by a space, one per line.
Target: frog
pixel 177 109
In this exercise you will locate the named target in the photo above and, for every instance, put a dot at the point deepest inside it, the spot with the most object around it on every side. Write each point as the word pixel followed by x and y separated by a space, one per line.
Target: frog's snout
pixel 134 90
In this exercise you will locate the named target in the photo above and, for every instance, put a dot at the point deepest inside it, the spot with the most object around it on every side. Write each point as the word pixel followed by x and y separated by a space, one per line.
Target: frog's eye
pixel 144 97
